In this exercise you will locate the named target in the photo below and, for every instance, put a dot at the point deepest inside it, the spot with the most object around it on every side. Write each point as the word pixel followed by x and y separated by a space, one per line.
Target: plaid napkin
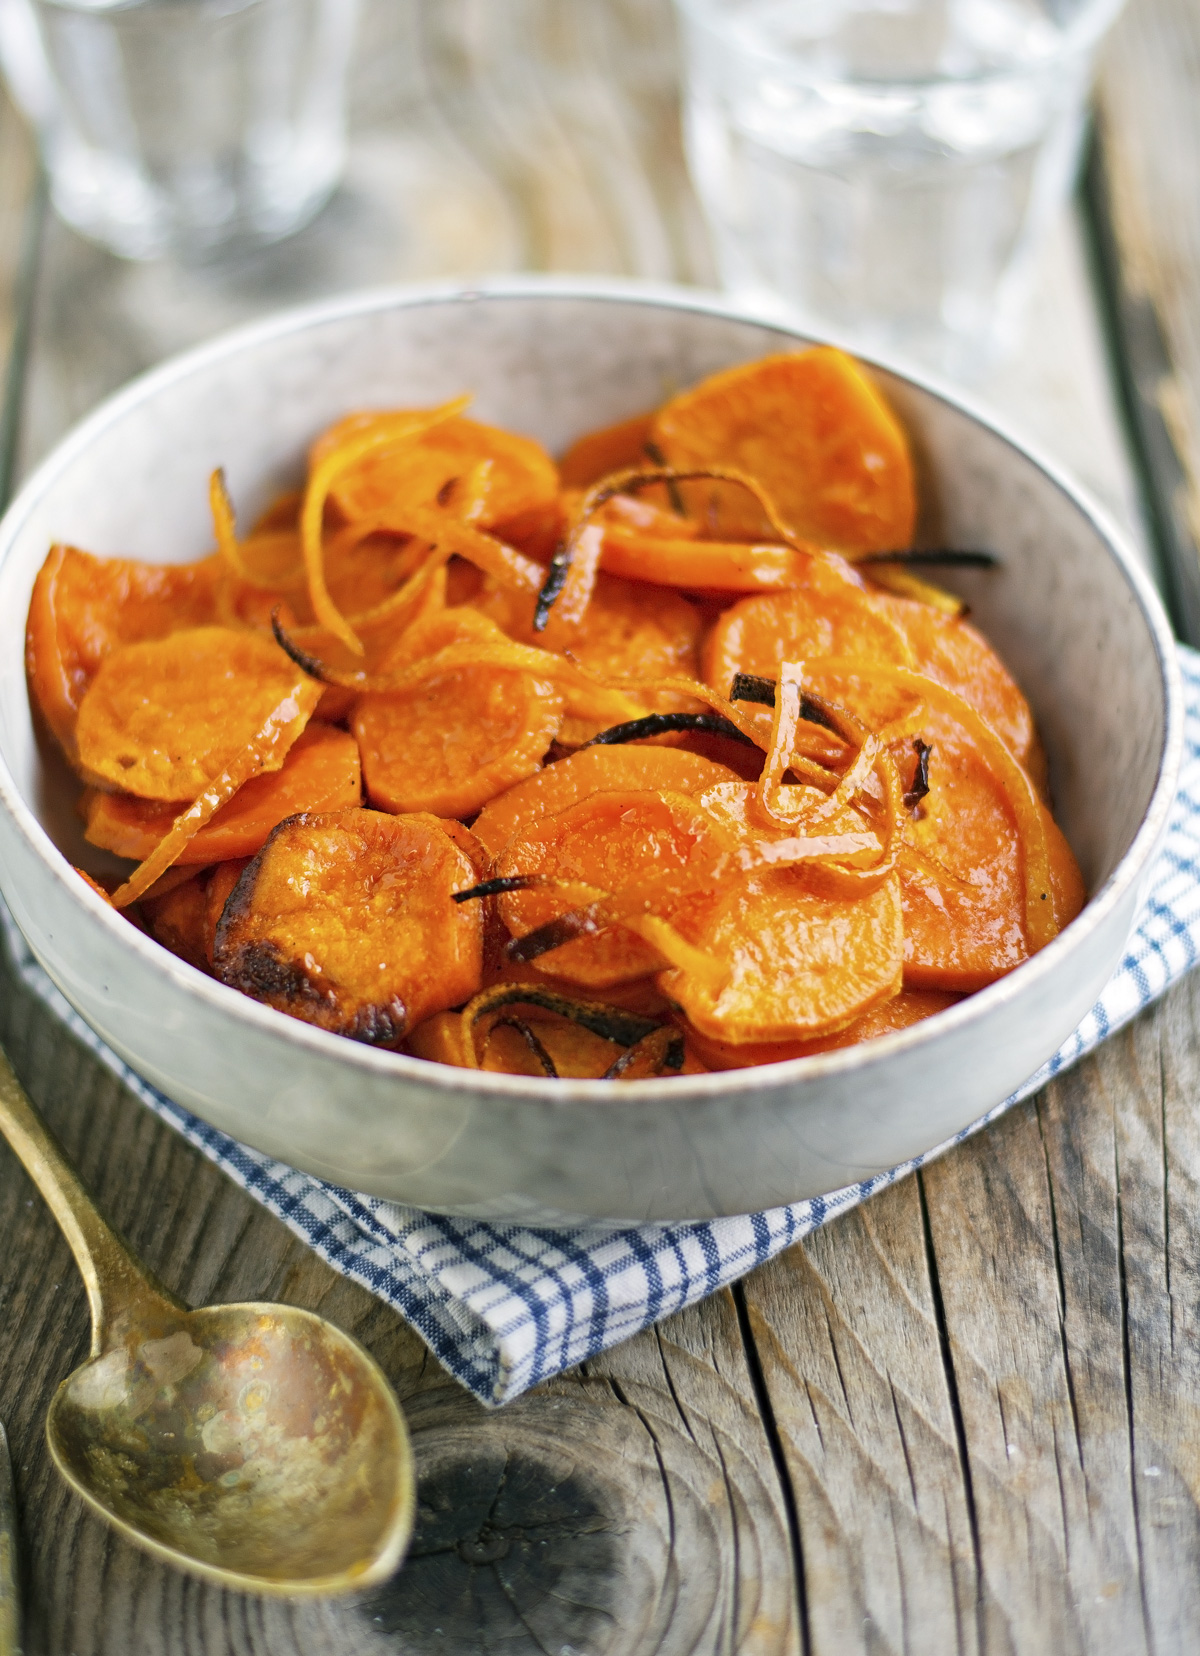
pixel 504 1306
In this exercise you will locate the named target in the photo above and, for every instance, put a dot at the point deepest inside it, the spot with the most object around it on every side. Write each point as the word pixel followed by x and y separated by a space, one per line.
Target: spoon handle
pixel 114 1279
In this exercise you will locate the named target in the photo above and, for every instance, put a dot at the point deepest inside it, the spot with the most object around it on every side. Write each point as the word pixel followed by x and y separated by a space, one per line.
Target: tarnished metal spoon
pixel 255 1445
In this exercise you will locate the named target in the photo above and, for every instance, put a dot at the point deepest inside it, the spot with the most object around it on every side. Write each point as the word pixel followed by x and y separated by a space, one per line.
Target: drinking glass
pixel 183 125
pixel 888 166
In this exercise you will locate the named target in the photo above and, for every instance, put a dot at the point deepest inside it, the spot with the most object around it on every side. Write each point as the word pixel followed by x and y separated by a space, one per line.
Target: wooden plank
pixel 1155 1165
pixel 986 1382
pixel 846 1332
pixel 1039 1376
pixel 1145 194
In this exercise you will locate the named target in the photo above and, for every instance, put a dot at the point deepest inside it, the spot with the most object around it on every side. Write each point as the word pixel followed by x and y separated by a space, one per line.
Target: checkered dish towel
pixel 503 1306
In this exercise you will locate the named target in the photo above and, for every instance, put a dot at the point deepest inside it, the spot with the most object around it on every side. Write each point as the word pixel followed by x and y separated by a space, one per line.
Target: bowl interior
pixel 1062 608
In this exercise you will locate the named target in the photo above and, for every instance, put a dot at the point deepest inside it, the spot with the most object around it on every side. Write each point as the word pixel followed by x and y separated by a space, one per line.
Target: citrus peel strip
pixel 572 587
pixel 385 433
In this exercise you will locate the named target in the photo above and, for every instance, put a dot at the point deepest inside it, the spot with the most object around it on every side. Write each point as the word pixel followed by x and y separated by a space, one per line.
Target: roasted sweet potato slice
pixel 590 771
pixel 621 636
pixel 608 449
pixel 645 543
pixel 425 473
pixel 345 920
pixel 832 613
pixel 321 773
pixel 160 719
pixel 800 965
pixel 910 1006
pixel 607 843
pixel 948 649
pixel 177 921
pixel 217 892
pixel 815 432
pixel 714 566
pixel 450 744
pixel 962 875
pixel 83 608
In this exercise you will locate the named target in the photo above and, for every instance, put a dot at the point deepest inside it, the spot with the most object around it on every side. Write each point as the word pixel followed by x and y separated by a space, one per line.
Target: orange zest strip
pixel 750 724
pixel 575 589
pixel 1041 920
pixel 677 951
pixel 266 751
pixel 853 780
pixel 586 549
pixel 478 487
pixel 872 757
pixel 397 607
pixel 487 552
pixel 225 531
pixel 489 648
pixel 784 722
pixel 384 433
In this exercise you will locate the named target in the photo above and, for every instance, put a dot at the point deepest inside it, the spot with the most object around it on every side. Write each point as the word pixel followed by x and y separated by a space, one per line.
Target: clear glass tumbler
pixel 183 125
pixel 888 166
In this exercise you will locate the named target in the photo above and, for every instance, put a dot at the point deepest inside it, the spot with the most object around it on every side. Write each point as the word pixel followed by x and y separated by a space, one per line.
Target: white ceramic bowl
pixel 1069 610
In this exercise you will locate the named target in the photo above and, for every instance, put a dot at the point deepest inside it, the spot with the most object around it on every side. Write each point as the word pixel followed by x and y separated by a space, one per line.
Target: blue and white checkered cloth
pixel 504 1306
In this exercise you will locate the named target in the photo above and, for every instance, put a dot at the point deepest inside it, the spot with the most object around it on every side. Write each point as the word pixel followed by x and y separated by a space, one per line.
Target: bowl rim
pixel 397 1066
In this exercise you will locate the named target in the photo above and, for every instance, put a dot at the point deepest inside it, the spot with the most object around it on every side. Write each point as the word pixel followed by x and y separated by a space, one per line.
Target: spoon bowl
pixel 258 1446
pixel 253 1439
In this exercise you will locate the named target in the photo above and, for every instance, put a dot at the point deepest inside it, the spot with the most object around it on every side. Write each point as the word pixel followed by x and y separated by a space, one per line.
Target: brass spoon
pixel 255 1445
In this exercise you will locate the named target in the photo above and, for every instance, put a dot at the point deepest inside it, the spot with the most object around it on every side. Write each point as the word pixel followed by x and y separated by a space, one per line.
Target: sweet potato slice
pixel 345 920
pixel 910 1006
pixel 608 449
pixel 523 477
pixel 217 892
pixel 606 843
pixel 962 875
pixel 590 771
pixel 832 613
pixel 701 565
pixel 622 636
pixel 161 718
pixel 451 743
pixel 177 921
pixel 321 773
pixel 83 608
pixel 951 651
pixel 818 436
pixel 800 965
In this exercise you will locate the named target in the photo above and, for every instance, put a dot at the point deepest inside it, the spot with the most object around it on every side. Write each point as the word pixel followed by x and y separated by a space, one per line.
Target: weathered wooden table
pixel 963 1418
